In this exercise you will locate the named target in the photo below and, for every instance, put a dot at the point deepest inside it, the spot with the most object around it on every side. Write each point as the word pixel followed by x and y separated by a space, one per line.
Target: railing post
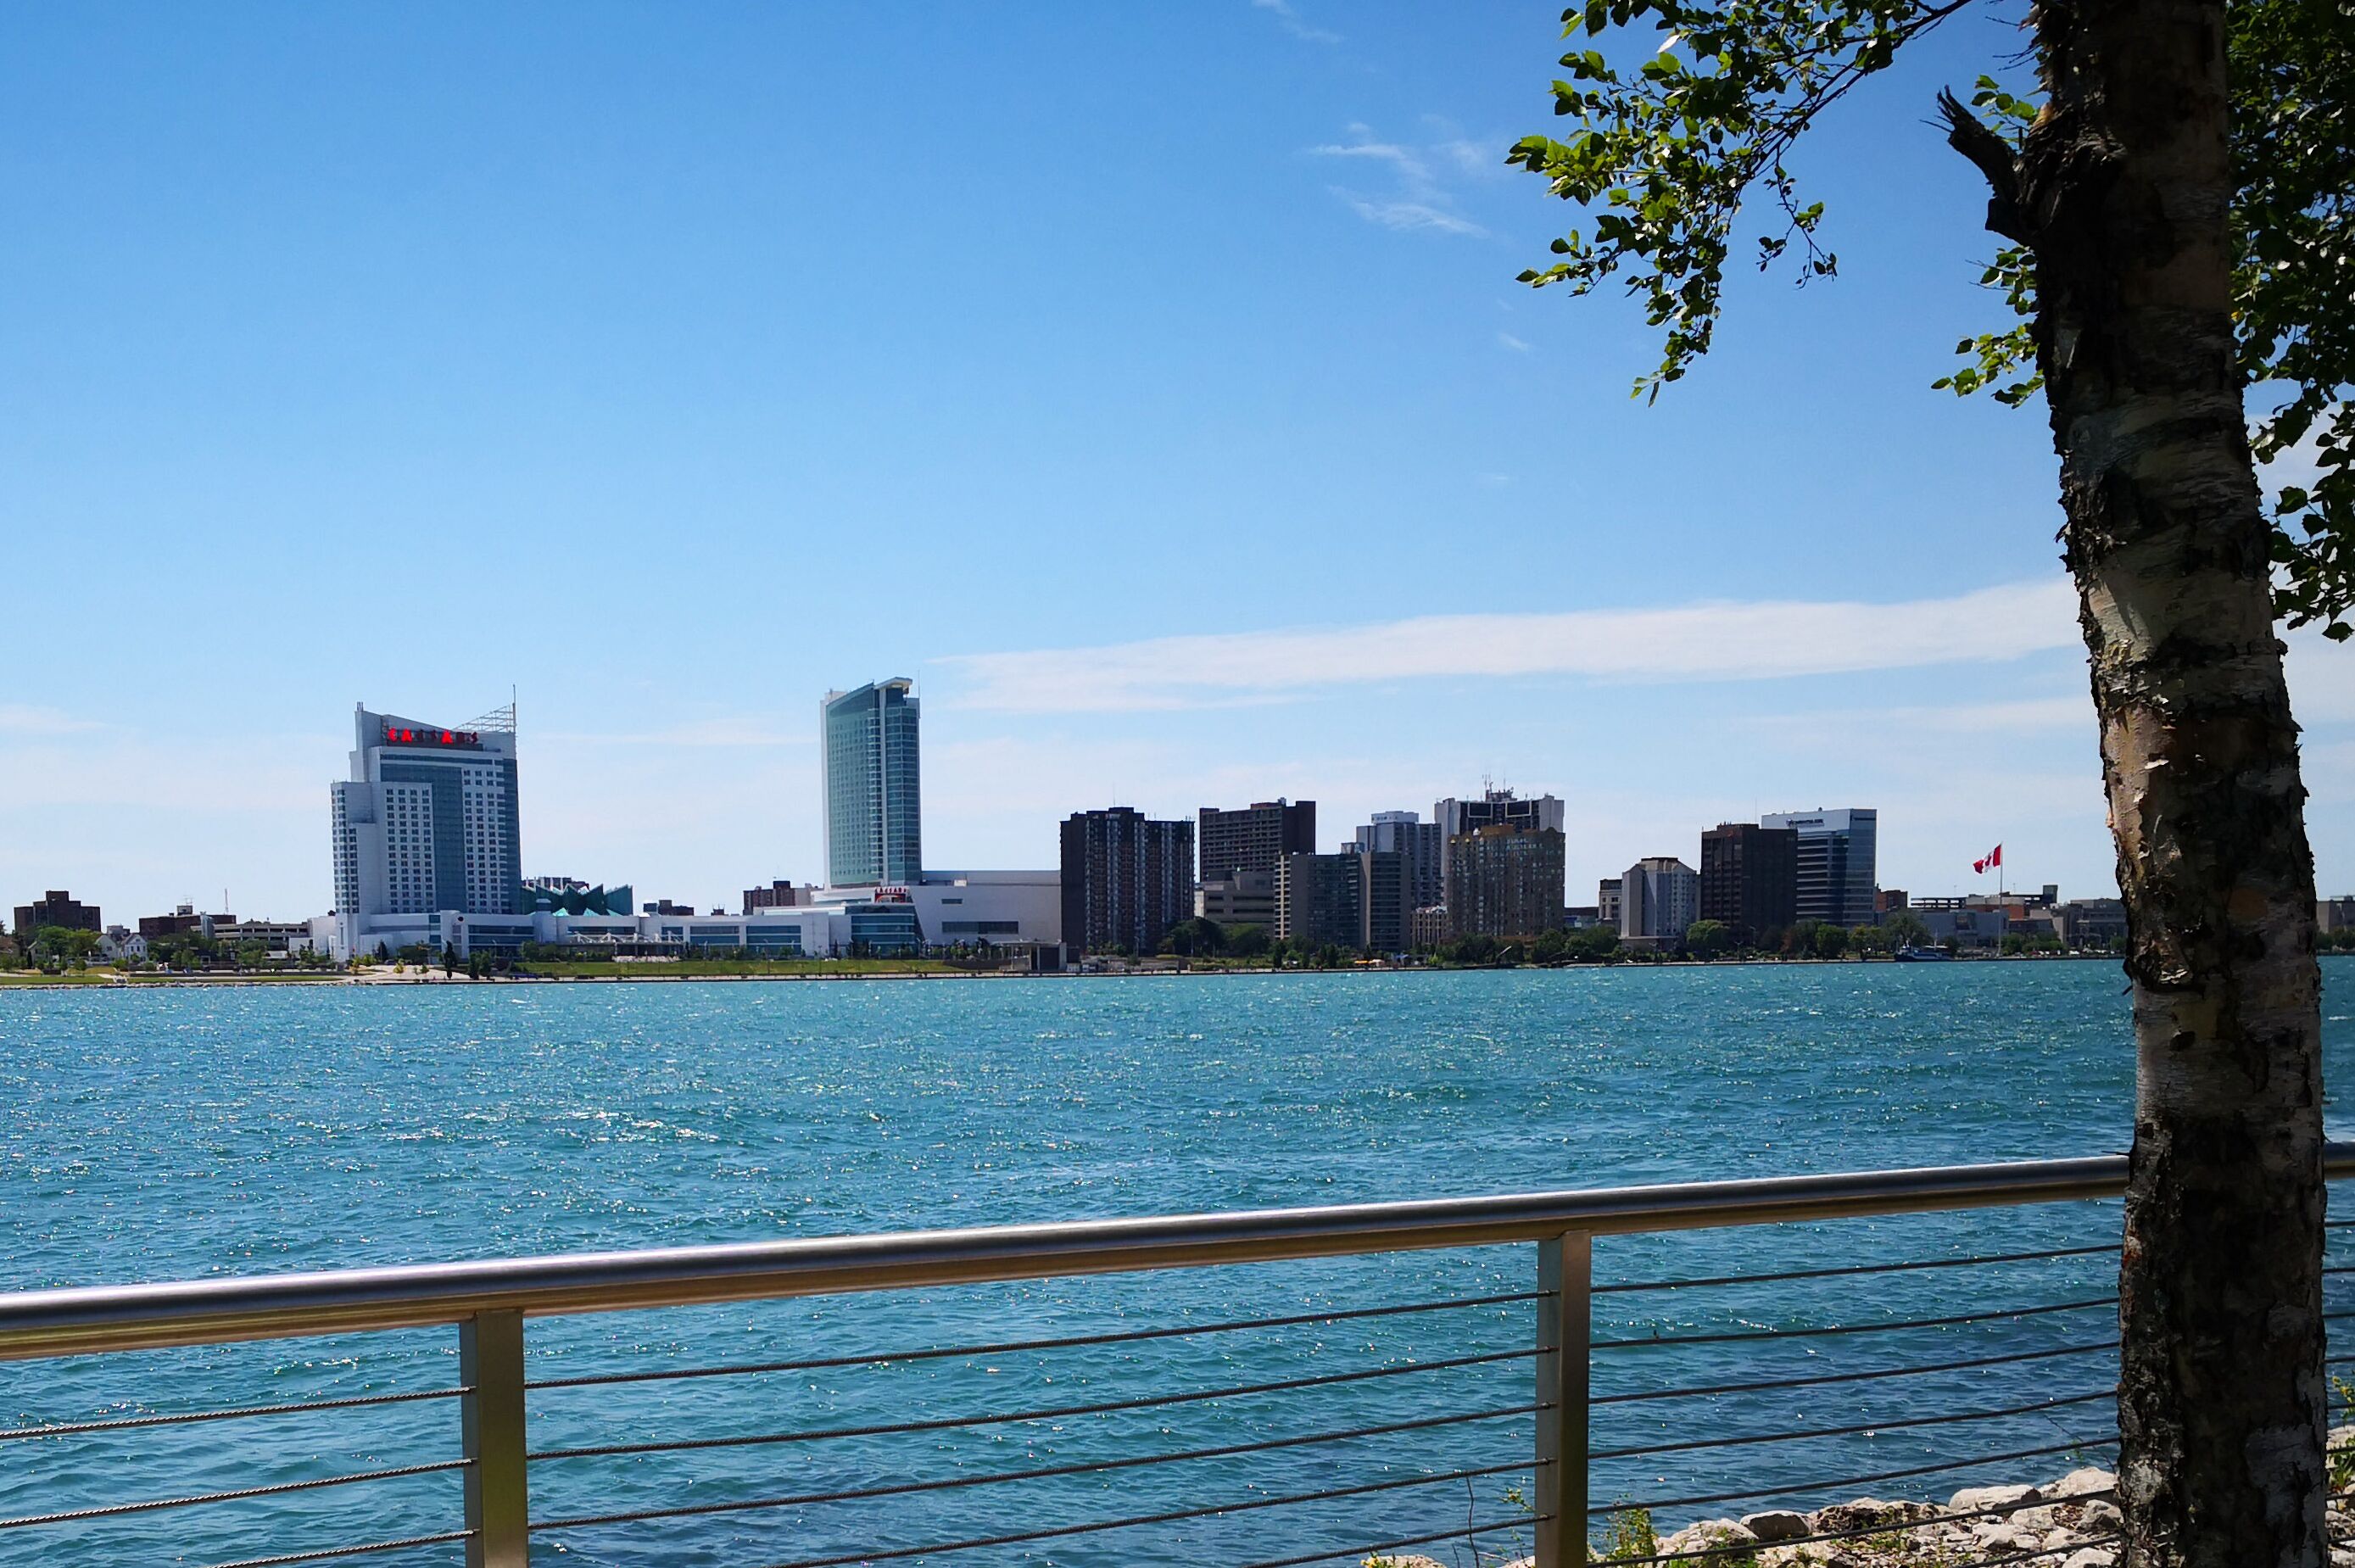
pixel 498 1510
pixel 1565 1313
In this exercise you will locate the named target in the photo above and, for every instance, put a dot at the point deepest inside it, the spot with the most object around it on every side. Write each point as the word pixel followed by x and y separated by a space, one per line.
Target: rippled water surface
pixel 166 1135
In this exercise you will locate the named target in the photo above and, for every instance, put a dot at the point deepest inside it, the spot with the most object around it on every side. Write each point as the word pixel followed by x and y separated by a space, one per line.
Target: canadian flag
pixel 1994 857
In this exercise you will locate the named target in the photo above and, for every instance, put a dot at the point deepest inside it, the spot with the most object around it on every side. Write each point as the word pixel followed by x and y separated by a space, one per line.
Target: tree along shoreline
pixel 1196 969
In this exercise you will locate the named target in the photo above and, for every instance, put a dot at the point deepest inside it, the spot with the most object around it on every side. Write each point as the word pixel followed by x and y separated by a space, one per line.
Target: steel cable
pixel 1017 1346
pixel 901 1488
pixel 1855 1327
pixel 124 1424
pixel 276 1488
pixel 1849 1430
pixel 944 1424
pixel 1853 1269
pixel 1866 1376
pixel 1175 1516
pixel 323 1555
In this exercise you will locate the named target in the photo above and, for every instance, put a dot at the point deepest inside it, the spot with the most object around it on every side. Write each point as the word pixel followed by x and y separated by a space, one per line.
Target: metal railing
pixel 1568 1393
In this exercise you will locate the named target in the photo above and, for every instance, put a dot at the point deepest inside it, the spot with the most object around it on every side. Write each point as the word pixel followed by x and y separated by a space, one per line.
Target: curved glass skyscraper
pixel 874 821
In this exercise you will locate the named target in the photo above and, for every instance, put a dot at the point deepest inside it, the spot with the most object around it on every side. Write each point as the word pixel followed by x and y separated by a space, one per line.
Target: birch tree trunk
pixel 2123 191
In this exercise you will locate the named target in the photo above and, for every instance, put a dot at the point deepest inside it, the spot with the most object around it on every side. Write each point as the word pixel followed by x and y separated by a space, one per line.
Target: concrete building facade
pixel 1659 898
pixel 1246 898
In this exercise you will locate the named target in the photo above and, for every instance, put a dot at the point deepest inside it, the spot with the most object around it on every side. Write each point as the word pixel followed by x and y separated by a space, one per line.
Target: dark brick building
pixel 1126 879
pixel 1255 839
pixel 57 907
pixel 1750 878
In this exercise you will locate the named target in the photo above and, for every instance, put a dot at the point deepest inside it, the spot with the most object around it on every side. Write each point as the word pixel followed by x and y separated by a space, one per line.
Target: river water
pixel 188 1133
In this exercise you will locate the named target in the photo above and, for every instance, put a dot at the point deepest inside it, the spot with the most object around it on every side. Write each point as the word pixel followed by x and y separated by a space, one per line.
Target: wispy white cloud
pixel 1291 22
pixel 1704 642
pixel 1515 344
pixel 1420 199
pixel 1408 216
pixel 18 719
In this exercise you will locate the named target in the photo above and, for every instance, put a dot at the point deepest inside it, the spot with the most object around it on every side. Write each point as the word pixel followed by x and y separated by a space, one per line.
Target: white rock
pixel 1995 1535
pixel 2077 1483
pixel 1775 1526
pixel 1869 1513
pixel 1706 1533
pixel 2091 1557
pixel 1971 1499
pixel 2099 1516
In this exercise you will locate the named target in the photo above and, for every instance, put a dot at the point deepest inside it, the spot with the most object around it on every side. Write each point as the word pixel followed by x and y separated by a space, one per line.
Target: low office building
pixel 60 908
pixel 2098 922
pixel 945 909
pixel 279 939
pixel 185 921
pixel 1427 927
pixel 778 894
pixel 1962 925
pixel 1608 896
pixel 1246 898
pixel 2335 914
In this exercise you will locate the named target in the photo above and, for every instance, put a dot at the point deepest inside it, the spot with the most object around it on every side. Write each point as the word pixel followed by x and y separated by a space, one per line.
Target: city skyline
pixel 683 362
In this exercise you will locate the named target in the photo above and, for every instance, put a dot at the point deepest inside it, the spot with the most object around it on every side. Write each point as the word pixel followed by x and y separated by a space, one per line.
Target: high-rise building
pixel 1387 904
pixel 1505 881
pixel 1607 901
pixel 426 826
pixel 1320 900
pixel 428 820
pixel 1495 808
pixel 1126 879
pixel 1750 878
pixel 1255 837
pixel 873 814
pixel 1658 899
pixel 1836 862
pixel 1420 843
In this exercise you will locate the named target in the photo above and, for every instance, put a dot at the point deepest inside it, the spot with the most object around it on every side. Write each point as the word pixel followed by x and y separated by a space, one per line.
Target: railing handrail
pixel 81 1320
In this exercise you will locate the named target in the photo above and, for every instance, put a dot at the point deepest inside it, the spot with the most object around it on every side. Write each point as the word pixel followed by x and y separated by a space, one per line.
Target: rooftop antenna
pixel 498 720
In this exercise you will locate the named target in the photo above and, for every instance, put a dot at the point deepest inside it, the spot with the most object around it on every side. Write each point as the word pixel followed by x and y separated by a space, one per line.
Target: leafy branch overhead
pixel 1665 154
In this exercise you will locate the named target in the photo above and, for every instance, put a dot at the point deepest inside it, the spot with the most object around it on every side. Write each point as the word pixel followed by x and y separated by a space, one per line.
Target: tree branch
pixel 1993 156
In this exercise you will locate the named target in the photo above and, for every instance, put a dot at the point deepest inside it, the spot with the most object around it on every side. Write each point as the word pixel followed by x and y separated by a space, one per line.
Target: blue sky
pixel 1151 383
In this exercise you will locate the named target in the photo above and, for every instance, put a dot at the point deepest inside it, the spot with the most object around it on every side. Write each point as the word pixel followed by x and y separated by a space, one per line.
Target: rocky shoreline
pixel 2071 1522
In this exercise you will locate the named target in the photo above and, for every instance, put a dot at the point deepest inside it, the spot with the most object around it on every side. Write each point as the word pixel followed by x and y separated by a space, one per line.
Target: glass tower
pixel 874 824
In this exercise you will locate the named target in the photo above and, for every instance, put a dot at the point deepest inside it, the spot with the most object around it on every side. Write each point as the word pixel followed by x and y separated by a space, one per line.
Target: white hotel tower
pixel 424 832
